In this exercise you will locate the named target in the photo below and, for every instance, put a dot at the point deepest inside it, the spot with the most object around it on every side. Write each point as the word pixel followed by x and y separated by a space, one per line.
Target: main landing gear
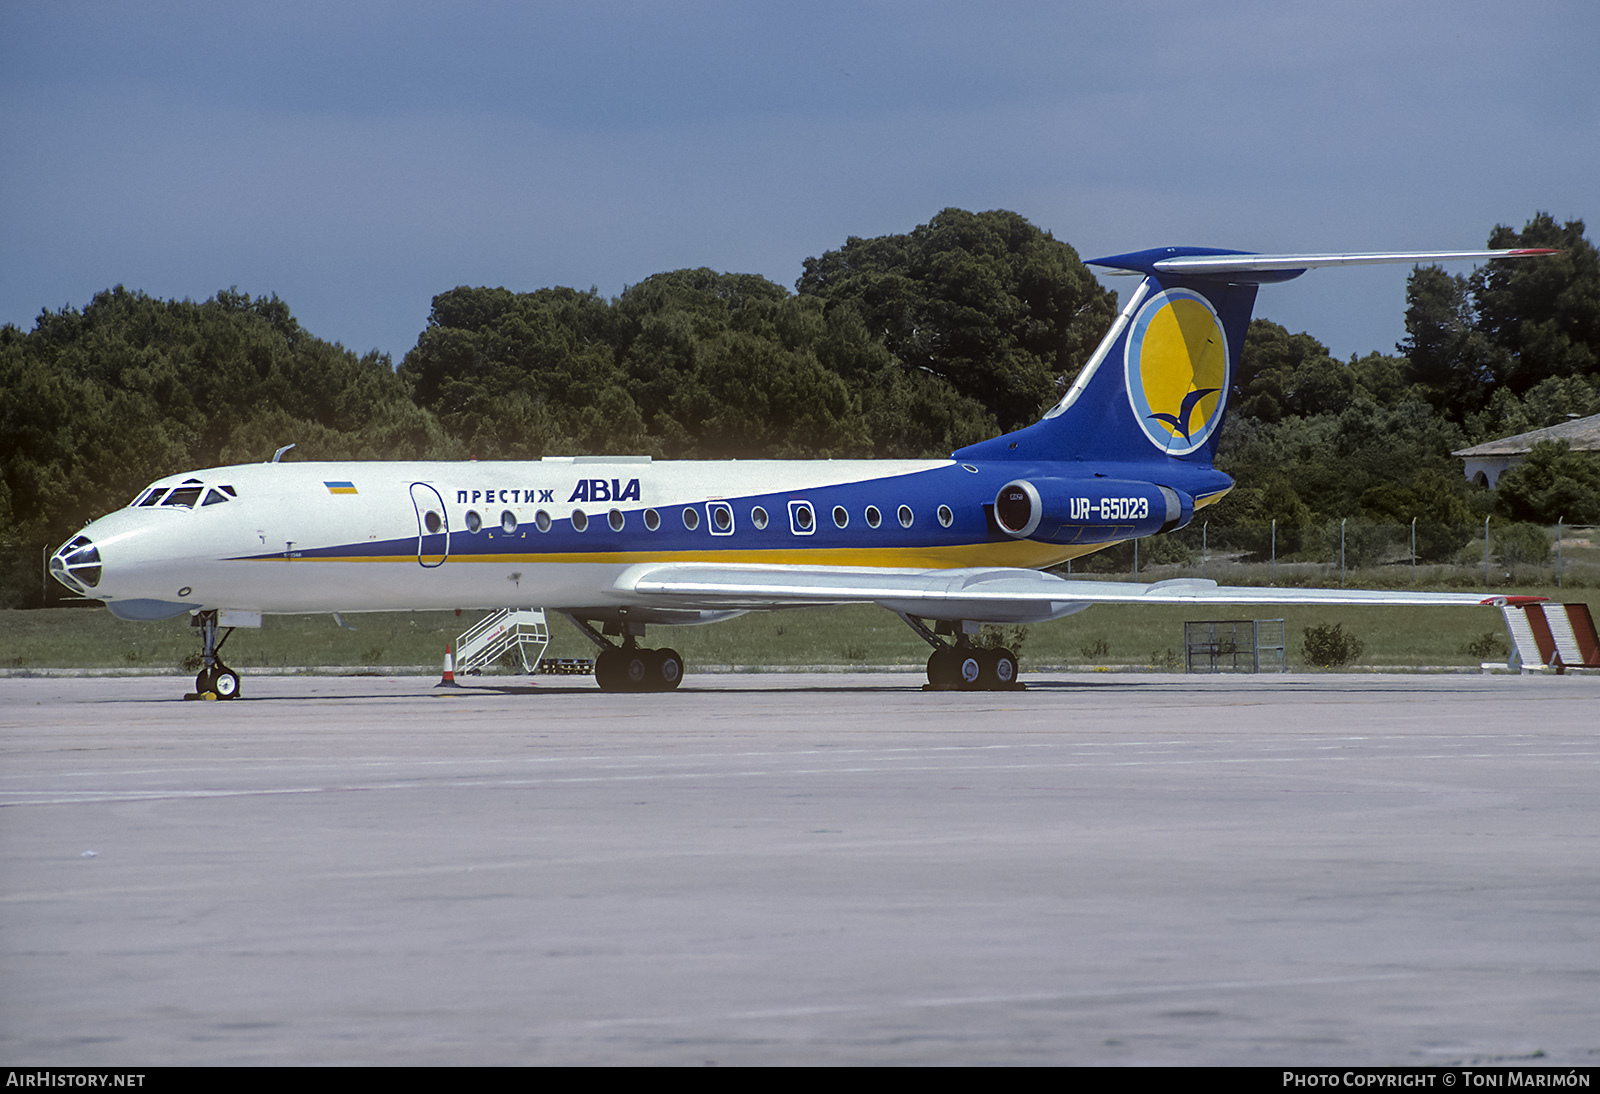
pixel 214 676
pixel 958 665
pixel 626 667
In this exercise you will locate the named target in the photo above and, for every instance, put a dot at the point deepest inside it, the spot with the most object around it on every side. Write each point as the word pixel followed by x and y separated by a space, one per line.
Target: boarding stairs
pixel 1549 638
pixel 498 633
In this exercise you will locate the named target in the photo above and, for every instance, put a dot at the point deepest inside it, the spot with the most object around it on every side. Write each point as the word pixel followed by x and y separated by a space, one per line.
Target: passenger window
pixel 691 518
pixel 508 522
pixel 580 520
pixel 758 517
pixel 474 521
pixel 541 521
pixel 841 518
pixel 905 516
pixel 615 519
pixel 874 518
pixel 946 517
pixel 652 519
pixel 721 514
pixel 802 522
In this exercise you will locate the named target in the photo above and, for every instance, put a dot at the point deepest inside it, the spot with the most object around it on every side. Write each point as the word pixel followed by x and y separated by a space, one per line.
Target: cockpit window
pixel 183 497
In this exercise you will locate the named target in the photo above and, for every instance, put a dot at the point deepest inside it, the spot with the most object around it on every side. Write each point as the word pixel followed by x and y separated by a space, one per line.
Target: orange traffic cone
pixel 449 678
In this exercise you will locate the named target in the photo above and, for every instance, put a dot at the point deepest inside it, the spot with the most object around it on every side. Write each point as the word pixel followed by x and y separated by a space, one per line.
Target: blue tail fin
pixel 1156 388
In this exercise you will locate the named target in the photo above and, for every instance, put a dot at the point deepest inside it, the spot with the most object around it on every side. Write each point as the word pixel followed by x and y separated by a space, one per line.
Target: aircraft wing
pixel 993 595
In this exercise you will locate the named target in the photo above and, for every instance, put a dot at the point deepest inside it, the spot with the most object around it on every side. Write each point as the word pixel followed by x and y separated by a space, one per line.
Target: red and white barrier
pixel 1552 637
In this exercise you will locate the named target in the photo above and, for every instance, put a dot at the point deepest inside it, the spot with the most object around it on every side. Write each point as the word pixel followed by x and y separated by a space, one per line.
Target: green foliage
pixel 1166 660
pixel 1365 542
pixel 1330 646
pixel 1301 471
pixel 1553 483
pixel 1511 326
pixel 1448 356
pixel 1490 645
pixel 1167 550
pixel 1282 374
pixel 986 302
pixel 992 636
pixel 1519 544
pixel 1549 402
pixel 1543 315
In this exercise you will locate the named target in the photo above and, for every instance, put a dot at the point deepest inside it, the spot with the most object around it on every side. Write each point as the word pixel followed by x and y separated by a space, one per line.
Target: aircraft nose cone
pixel 76 564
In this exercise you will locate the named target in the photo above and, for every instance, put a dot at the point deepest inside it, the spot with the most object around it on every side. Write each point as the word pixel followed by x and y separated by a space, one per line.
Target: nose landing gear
pixel 214 677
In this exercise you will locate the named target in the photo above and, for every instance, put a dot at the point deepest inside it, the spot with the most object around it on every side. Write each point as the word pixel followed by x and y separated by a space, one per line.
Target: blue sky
pixel 357 158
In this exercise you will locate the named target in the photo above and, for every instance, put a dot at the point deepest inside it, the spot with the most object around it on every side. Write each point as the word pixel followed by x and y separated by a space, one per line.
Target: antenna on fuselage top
pixel 278 455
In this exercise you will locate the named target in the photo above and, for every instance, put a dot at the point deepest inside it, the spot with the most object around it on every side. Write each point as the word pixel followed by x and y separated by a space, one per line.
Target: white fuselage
pixel 560 533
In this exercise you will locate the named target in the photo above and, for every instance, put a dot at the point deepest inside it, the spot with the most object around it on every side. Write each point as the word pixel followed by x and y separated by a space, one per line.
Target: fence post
pixel 1136 560
pixel 1485 552
pixel 1274 550
pixel 1206 525
pixel 1559 519
pixel 1341 551
pixel 1413 550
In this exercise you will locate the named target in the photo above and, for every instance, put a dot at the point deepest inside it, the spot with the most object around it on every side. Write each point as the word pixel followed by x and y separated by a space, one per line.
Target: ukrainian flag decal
pixel 340 487
pixel 1177 361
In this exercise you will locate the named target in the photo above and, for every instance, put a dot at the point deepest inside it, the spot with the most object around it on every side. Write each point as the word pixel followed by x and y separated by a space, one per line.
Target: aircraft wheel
pixel 225 683
pixel 970 669
pixel 636 666
pixel 668 672
pixel 944 669
pixel 1001 667
pixel 608 670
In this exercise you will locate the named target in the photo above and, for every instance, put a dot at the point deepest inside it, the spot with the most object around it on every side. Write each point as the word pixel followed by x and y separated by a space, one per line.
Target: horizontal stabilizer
pixel 1206 262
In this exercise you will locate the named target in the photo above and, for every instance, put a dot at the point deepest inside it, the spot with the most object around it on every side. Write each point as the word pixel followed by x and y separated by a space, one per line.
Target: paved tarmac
pixel 814 869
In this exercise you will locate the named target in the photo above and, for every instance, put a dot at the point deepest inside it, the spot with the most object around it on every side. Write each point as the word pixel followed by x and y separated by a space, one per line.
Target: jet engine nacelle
pixel 1089 510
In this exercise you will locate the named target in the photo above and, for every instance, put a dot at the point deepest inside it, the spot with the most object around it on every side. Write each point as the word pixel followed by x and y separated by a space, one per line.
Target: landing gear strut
pixel 958 665
pixel 214 676
pixel 626 667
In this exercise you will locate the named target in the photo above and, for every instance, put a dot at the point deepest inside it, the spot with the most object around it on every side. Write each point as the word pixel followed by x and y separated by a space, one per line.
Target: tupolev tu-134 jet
pixel 617 543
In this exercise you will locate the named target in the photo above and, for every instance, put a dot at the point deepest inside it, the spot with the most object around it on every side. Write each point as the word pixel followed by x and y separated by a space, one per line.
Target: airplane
pixel 620 543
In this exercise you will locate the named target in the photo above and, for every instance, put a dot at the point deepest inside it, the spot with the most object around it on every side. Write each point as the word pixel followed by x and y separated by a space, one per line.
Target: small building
pixel 1488 461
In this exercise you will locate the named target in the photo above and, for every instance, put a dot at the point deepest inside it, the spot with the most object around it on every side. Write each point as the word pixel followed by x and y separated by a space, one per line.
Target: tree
pixel 1454 362
pixel 986 302
pixel 1551 484
pixel 1543 314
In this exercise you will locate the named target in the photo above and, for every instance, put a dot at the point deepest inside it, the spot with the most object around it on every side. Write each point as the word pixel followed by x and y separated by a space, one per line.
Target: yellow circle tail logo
pixel 1177 370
